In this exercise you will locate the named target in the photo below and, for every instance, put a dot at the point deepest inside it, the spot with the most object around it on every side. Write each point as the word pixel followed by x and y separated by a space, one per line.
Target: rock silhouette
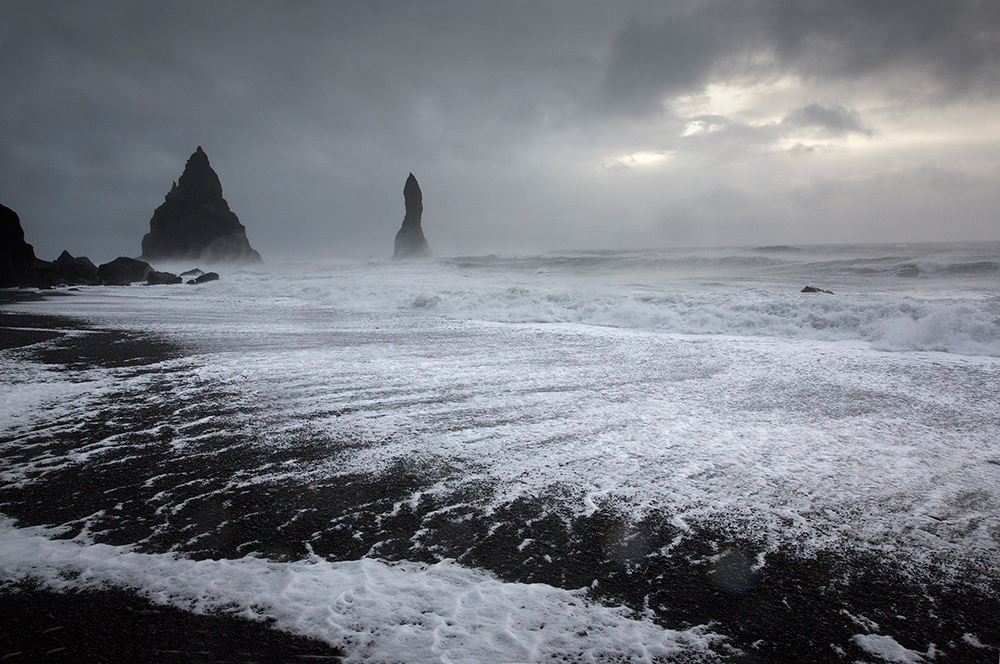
pixel 123 271
pixel 17 257
pixel 67 269
pixel 410 240
pixel 204 278
pixel 195 221
pixel 155 278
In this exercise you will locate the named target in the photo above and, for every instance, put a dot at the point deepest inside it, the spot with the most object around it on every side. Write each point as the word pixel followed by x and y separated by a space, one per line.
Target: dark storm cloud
pixel 649 61
pixel 313 112
pixel 107 99
pixel 836 120
pixel 352 65
pixel 952 46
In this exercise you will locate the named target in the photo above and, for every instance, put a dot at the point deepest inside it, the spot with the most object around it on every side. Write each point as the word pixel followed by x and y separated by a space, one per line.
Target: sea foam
pixel 584 387
pixel 943 319
pixel 376 611
pixel 952 305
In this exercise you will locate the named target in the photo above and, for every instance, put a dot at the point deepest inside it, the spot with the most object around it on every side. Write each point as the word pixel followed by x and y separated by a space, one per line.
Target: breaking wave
pixel 892 315
pixel 887 322
pixel 942 298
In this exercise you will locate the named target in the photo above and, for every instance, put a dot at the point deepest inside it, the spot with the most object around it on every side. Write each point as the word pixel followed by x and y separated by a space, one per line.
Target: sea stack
pixel 410 240
pixel 17 257
pixel 195 221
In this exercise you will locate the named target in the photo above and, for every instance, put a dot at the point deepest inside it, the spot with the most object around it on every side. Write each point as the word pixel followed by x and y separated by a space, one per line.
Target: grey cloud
pixel 721 139
pixel 363 89
pixel 836 120
pixel 955 46
pixel 716 140
pixel 956 42
pixel 652 60
pixel 313 112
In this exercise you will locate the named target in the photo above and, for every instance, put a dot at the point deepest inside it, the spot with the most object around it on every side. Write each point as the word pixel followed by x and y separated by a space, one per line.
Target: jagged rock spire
pixel 195 220
pixel 410 240
pixel 198 182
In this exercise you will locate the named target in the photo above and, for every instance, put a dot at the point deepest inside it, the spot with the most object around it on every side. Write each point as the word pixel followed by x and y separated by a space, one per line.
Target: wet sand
pixel 793 609
pixel 115 625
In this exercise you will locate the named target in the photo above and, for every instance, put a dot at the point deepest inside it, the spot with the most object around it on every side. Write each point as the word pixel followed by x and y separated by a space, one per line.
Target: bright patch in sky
pixel 641 159
pixel 724 99
pixel 731 100
pixel 699 127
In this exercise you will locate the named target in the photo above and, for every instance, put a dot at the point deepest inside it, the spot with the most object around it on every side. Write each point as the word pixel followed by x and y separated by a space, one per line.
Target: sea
pixel 608 456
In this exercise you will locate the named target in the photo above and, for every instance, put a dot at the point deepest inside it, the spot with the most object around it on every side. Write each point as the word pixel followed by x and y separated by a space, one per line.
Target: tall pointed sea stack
pixel 195 220
pixel 410 240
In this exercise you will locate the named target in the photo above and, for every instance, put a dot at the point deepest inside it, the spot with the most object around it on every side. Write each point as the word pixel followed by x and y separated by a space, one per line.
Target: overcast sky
pixel 529 125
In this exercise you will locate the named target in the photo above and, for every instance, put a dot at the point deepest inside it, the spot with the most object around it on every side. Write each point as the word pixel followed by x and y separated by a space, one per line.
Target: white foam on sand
pixel 375 611
pixel 772 415
pixel 782 440
pixel 889 650
pixel 30 392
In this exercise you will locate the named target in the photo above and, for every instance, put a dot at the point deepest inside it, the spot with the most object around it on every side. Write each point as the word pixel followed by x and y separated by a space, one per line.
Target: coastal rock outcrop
pixel 813 289
pixel 195 221
pixel 123 271
pixel 17 257
pixel 67 269
pixel 19 267
pixel 155 278
pixel 410 240
pixel 204 278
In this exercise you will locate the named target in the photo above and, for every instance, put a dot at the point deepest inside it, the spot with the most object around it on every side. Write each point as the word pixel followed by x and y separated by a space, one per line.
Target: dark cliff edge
pixel 17 257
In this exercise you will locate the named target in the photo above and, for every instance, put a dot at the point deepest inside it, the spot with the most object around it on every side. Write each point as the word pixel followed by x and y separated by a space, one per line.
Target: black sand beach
pixel 116 625
pixel 793 609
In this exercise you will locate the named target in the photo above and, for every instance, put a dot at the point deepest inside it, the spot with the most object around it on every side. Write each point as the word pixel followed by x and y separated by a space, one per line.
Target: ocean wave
pixel 835 261
pixel 887 322
pixel 895 298
pixel 947 319
pixel 951 323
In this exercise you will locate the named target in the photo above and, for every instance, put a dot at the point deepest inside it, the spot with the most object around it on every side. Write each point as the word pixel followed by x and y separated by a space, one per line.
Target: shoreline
pixel 792 608
pixel 116 624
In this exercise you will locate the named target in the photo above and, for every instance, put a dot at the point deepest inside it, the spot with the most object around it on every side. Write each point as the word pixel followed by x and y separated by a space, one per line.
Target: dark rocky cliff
pixel 17 257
